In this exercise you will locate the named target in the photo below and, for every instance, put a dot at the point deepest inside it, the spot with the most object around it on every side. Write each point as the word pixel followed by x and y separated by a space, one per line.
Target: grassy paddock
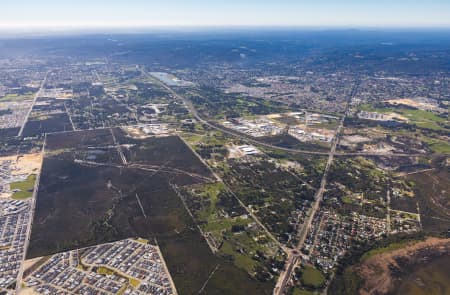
pixel 312 277
pixel 16 97
pixel 25 188
pixel 390 247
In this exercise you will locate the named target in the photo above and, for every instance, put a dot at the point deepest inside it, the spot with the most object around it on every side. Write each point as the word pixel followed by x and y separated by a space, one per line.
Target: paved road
pixel 285 276
pixel 119 148
pixel 253 140
pixel 194 112
pixel 36 96
pixel 256 219
pixel 293 255
pixel 70 117
pixel 292 260
pixel 30 222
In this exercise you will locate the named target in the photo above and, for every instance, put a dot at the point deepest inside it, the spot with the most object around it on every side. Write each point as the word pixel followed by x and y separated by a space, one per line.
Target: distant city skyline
pixel 62 14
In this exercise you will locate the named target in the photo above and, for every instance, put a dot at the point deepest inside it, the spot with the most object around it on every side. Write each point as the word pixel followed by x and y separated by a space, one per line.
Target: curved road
pixel 253 140
pixel 293 254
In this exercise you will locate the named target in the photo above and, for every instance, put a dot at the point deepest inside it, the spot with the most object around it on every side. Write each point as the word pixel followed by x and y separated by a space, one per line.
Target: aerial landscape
pixel 228 160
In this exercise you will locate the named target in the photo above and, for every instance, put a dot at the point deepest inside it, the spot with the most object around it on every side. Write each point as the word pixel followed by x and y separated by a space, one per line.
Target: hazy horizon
pixel 207 30
pixel 57 16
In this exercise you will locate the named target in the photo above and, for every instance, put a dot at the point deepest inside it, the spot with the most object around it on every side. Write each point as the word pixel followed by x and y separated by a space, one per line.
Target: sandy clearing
pixel 5 195
pixel 27 291
pixel 274 116
pixel 21 165
pixel 412 103
pixel 28 164
pixel 30 262
pixel 24 164
pixel 135 132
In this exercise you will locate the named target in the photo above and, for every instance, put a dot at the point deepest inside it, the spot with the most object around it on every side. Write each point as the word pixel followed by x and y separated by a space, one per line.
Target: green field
pixel 302 292
pixel 347 200
pixel 437 146
pixel 423 119
pixel 311 277
pixel 390 247
pixel 211 221
pixel 25 188
pixel 420 118
pixel 240 260
pixel 16 97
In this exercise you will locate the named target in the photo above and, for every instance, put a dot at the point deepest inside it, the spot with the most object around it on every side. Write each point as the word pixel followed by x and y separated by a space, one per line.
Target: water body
pixel 170 79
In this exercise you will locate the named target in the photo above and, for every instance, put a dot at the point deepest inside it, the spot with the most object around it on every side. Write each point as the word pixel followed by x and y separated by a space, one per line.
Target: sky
pixel 63 14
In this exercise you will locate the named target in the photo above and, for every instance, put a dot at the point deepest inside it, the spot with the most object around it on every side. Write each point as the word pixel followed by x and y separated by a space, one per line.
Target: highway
pixel 293 254
pixel 70 117
pixel 119 148
pixel 194 112
pixel 255 141
pixel 30 222
pixel 36 96
pixel 285 276
pixel 251 139
pixel 303 233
